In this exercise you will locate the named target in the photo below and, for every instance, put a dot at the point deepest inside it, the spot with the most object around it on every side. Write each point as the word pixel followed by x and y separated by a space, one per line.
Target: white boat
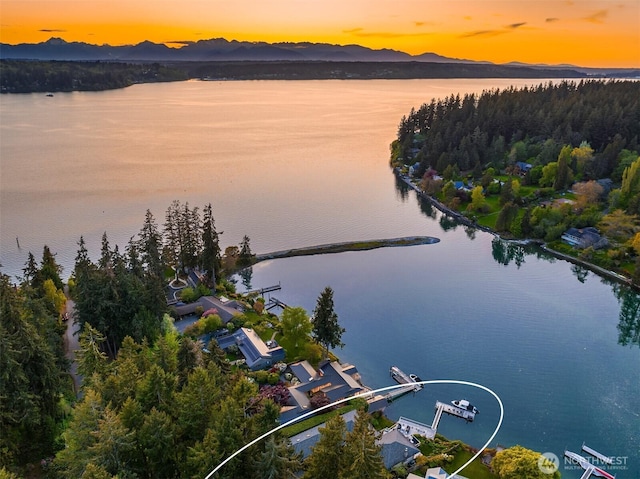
pixel 465 405
pixel 414 378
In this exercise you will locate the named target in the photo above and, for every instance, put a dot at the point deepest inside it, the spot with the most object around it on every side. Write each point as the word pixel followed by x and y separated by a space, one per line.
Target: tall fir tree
pixel 362 456
pixel 326 329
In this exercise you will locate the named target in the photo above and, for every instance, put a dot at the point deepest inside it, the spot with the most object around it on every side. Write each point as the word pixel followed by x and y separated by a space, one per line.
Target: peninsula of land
pixel 347 246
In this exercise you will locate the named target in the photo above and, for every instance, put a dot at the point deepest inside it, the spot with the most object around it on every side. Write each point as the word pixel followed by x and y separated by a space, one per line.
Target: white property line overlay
pixel 368 394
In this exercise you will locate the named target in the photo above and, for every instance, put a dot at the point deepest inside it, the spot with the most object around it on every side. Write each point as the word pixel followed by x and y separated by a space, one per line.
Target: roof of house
pixel 226 309
pixel 304 441
pixel 253 348
pixel 332 378
pixel 395 448
pixel 303 371
pixel 439 473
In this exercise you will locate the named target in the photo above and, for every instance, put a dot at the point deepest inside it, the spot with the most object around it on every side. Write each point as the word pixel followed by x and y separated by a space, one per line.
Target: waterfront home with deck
pixel 255 351
pixel 336 381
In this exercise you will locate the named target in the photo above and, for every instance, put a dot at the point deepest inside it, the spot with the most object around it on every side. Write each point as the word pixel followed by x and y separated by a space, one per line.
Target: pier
pixel 268 289
pixel 273 302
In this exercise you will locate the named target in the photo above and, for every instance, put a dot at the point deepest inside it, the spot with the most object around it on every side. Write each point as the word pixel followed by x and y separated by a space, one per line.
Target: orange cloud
pixel 597 17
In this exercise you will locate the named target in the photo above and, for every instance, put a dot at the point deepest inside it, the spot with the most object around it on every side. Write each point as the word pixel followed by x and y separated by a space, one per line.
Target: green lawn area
pixel 318 419
pixel 475 470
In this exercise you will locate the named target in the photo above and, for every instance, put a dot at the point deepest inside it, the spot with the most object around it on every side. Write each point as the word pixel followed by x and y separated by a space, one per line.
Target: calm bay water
pixel 295 164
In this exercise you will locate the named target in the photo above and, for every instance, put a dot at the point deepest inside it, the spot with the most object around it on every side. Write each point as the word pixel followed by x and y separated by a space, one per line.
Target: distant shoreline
pixel 466 221
pixel 346 247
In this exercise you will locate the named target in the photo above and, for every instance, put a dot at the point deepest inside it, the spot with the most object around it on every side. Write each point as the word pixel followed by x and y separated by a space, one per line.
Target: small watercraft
pixel 464 404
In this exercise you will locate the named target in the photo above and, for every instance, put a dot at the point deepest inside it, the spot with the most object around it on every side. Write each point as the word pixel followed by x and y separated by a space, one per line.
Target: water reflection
pixel 504 252
pixel 580 272
pixel 426 208
pixel 629 323
pixel 447 223
pixel 471 232
pixel 246 275
pixel 402 189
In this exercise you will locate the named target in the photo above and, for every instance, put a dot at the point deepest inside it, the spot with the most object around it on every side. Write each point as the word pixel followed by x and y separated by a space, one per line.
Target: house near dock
pixel 395 447
pixel 336 381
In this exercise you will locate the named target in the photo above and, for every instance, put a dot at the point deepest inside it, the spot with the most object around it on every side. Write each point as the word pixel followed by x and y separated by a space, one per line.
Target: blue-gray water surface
pixel 293 164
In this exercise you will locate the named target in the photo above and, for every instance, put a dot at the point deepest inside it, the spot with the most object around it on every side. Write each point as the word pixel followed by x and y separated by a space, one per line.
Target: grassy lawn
pixel 476 469
pixel 316 420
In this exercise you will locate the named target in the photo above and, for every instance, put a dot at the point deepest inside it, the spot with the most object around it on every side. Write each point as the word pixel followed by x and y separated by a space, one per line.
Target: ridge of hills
pixel 222 50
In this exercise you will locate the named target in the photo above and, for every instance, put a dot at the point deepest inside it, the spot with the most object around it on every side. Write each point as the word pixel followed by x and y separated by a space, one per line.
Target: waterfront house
pixel 303 442
pixel 584 238
pixel 396 448
pixel 336 381
pixel 257 354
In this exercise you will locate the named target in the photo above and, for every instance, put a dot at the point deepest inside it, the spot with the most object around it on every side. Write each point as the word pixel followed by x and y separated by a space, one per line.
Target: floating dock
pixel 403 378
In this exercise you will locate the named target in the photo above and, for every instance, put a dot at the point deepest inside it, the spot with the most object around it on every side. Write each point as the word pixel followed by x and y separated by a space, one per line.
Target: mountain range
pixel 222 50
pixel 216 49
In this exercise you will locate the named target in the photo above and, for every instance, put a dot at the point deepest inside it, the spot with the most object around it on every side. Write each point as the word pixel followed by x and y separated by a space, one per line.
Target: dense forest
pixel 18 76
pixel 534 162
pixel 153 402
pixel 24 76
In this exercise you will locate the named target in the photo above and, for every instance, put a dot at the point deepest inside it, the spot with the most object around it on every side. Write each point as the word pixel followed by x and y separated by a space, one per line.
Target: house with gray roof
pixel 255 351
pixel 304 441
pixel 584 238
pixel 336 381
pixel 227 309
pixel 396 448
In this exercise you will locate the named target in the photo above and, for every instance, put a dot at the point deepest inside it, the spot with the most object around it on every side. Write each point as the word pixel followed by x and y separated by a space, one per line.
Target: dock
pixel 601 457
pixel 403 378
pixel 268 289
pixel 452 410
pixel 273 302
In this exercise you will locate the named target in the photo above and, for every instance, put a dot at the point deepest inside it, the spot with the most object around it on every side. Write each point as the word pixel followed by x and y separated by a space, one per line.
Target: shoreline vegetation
pixel 525 242
pixel 347 246
pixel 41 76
pixel 555 166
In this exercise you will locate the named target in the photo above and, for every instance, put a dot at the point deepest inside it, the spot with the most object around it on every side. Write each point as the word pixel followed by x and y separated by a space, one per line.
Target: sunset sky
pixel 581 32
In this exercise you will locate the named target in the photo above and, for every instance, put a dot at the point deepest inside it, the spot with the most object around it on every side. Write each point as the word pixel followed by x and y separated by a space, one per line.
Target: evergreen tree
pixel 32 369
pixel 326 458
pixel 49 269
pixel 245 257
pixel 211 260
pixel 278 460
pixel 30 270
pixel 151 246
pixel 326 329
pixel 362 456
